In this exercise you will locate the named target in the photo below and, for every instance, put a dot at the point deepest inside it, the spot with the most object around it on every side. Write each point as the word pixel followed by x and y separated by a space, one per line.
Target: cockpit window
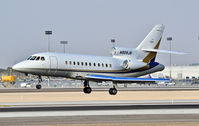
pixel 38 58
pixel 29 58
pixel 33 58
pixel 42 59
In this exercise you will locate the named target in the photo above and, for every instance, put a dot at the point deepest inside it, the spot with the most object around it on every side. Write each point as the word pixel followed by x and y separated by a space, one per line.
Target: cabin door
pixel 53 65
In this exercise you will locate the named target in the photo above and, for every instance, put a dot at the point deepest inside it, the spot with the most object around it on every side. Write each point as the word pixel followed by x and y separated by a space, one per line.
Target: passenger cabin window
pixel 102 65
pixel 106 65
pixel 82 63
pixel 86 63
pixel 66 62
pixel 98 64
pixel 70 62
pixel 38 58
pixel 93 64
pixel 78 63
pixel 42 59
pixel 74 63
pixel 110 65
pixel 89 64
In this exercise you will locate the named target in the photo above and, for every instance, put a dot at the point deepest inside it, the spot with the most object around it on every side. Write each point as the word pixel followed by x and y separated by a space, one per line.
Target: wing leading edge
pixel 123 79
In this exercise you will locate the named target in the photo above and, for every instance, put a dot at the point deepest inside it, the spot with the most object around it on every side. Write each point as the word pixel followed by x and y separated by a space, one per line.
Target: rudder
pixel 151 41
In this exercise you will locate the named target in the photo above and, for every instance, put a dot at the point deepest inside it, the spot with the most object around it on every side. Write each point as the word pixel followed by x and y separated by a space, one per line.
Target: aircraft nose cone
pixel 19 67
pixel 16 67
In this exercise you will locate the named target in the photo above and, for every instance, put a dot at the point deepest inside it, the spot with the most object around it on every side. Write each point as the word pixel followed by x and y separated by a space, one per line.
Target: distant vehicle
pixel 194 81
pixel 168 83
pixel 25 85
pixel 10 79
pixel 124 66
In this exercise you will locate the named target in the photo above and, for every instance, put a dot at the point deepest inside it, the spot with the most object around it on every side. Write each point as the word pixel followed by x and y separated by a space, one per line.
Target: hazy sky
pixel 89 25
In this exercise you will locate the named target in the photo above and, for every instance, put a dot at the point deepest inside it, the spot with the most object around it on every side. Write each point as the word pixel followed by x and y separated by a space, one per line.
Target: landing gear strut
pixel 87 89
pixel 113 91
pixel 38 86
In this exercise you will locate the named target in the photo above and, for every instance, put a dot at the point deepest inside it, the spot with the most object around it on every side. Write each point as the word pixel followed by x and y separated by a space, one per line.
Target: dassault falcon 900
pixel 124 66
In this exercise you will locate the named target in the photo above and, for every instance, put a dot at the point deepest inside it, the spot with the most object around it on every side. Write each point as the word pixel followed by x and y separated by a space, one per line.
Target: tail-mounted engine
pixel 133 64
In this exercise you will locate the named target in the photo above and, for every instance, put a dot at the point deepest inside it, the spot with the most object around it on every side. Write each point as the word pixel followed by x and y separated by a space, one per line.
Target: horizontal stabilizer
pixel 163 51
pixel 124 79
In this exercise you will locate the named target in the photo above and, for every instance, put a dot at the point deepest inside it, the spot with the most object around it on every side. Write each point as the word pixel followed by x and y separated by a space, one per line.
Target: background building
pixel 179 72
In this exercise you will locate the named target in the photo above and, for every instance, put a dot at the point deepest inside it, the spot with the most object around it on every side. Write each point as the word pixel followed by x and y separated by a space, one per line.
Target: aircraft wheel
pixel 38 86
pixel 112 91
pixel 87 90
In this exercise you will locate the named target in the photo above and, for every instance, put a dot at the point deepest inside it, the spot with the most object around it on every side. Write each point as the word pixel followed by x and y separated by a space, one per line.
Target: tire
pixel 38 86
pixel 112 91
pixel 87 90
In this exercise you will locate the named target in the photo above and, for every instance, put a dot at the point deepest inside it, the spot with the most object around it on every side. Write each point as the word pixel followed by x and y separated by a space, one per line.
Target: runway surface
pixel 23 90
pixel 93 113
pixel 116 107
pixel 106 120
pixel 63 106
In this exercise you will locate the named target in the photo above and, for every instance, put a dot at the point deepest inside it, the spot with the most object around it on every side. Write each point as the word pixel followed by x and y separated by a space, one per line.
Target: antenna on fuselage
pixel 113 42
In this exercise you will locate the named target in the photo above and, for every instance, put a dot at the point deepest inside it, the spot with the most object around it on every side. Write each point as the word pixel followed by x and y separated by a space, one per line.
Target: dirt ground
pixel 97 96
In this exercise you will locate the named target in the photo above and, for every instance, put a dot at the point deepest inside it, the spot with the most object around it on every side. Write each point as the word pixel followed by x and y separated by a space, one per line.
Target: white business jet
pixel 124 66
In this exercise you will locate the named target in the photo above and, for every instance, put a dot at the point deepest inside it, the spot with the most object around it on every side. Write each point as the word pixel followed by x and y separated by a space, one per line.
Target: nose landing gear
pixel 38 86
pixel 87 89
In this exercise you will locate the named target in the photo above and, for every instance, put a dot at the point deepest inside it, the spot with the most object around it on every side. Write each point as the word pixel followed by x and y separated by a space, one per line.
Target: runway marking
pixel 98 112
pixel 104 102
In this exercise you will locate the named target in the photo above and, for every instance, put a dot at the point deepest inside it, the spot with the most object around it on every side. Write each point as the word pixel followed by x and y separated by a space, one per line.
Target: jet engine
pixel 133 64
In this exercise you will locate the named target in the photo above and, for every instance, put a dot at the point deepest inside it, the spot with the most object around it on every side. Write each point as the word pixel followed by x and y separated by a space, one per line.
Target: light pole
pixel 169 39
pixel 113 42
pixel 64 43
pixel 48 33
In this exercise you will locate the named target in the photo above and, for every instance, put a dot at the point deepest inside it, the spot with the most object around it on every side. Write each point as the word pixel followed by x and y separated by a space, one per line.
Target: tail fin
pixel 151 41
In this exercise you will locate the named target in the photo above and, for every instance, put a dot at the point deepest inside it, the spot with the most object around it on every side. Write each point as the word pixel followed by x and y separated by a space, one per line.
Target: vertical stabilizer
pixel 151 41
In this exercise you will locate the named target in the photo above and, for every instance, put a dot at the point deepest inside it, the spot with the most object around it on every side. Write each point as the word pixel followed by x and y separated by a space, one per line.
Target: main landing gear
pixel 87 89
pixel 38 86
pixel 113 91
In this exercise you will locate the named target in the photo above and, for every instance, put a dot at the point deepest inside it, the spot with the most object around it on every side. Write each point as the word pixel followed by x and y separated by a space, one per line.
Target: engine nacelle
pixel 133 64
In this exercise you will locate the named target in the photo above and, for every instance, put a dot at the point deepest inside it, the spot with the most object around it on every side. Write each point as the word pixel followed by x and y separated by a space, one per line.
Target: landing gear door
pixel 53 65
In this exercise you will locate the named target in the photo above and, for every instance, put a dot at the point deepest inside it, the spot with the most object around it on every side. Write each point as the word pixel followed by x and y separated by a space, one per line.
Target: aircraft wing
pixel 123 79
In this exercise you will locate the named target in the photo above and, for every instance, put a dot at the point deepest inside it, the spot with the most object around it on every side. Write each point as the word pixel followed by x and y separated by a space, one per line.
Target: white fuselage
pixel 78 66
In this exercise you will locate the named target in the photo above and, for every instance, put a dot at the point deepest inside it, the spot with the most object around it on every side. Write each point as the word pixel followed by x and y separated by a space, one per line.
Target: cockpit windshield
pixel 37 58
pixel 29 58
pixel 33 58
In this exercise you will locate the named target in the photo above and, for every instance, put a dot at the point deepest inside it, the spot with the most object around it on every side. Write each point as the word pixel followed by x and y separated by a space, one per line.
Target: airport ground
pixel 71 107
